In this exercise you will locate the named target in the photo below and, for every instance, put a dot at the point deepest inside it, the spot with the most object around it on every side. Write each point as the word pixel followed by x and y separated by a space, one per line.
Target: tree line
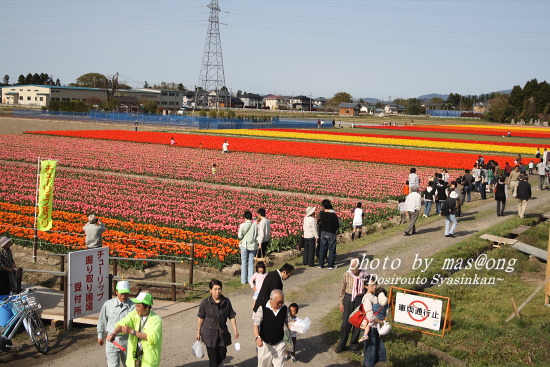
pixel 530 102
pixel 38 79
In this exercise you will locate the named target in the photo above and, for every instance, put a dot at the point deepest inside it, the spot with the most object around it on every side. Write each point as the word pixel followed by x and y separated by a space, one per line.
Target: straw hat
pixel 4 241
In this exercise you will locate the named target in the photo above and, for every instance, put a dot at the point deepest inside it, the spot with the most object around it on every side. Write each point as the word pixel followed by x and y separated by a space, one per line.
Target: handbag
pixel 357 316
pixel 259 256
pixel 384 329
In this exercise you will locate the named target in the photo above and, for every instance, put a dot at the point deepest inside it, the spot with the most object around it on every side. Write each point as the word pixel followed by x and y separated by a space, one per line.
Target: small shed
pixel 349 109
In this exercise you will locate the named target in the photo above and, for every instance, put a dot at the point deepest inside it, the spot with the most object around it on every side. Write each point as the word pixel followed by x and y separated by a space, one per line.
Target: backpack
pixel 445 209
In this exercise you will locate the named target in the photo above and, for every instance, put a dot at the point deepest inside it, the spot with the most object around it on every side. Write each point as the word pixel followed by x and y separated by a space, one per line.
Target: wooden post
pixel 111 286
pixel 191 264
pixel 62 269
pixel 65 304
pixel 173 268
pixel 516 311
pixel 115 273
pixel 547 288
pixel 19 277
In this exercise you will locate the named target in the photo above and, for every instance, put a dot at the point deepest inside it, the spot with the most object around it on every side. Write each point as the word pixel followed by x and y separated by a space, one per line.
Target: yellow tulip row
pixel 353 139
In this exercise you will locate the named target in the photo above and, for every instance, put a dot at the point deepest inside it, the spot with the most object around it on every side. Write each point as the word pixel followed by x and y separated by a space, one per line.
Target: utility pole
pixel 212 77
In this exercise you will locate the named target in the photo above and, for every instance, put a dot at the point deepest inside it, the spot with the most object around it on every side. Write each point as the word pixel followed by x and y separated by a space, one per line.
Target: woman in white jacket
pixel 311 236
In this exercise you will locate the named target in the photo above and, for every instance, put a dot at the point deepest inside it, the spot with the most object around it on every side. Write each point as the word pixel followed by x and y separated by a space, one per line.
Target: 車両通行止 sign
pixel 418 311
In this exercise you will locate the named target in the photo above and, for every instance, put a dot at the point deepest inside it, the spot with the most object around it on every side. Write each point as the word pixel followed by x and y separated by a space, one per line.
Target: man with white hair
pixel 412 207
pixel 112 312
pixel 269 324
pixel 94 230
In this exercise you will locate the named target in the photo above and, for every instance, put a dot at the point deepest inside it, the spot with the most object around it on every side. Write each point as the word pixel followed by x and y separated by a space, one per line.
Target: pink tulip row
pixel 194 206
pixel 361 180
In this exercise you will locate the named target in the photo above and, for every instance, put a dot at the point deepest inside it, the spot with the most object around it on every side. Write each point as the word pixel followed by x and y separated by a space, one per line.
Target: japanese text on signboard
pixel 88 281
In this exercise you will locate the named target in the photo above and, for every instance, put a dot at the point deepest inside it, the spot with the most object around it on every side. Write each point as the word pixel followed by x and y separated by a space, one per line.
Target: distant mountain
pixel 427 97
pixel 371 100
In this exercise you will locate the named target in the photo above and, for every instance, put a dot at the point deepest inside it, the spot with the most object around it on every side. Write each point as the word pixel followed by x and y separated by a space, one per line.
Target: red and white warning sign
pixel 418 311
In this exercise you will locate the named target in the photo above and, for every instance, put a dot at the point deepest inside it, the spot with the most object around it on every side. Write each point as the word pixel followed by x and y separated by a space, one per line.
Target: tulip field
pixel 326 146
pixel 523 131
pixel 156 199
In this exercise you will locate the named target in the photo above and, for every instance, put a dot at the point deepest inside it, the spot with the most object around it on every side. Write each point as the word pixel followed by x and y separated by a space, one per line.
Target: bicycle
pixel 26 310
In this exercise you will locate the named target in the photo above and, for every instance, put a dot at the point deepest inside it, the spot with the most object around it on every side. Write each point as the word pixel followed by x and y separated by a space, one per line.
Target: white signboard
pixel 88 278
pixel 418 311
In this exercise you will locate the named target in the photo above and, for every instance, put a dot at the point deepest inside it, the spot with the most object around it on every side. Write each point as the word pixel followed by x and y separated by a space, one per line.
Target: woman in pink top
pixel 258 278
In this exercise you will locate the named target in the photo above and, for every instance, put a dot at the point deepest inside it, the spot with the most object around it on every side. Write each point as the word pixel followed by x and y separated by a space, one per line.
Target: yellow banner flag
pixel 45 195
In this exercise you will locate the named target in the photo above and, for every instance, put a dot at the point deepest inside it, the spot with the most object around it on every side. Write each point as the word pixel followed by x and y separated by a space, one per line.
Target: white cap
pixel 123 286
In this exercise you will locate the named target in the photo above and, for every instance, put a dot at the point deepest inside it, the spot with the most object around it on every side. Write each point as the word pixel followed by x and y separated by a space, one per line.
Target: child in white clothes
pixel 379 309
pixel 402 212
pixel 293 310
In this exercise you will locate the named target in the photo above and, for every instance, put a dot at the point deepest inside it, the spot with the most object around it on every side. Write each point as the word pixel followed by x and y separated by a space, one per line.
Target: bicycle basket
pixel 25 302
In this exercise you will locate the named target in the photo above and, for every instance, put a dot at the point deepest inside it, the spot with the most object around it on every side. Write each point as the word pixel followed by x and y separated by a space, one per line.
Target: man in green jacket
pixel 145 330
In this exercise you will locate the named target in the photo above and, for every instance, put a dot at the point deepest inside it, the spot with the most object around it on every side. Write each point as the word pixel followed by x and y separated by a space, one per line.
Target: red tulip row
pixel 409 157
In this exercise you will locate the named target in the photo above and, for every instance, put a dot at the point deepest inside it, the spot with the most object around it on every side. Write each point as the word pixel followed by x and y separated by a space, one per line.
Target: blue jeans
pixel 467 196
pixel 428 208
pixel 451 218
pixel 438 205
pixel 375 350
pixel 327 243
pixel 247 265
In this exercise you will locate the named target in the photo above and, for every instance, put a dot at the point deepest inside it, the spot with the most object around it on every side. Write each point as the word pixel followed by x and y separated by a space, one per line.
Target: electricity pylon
pixel 212 77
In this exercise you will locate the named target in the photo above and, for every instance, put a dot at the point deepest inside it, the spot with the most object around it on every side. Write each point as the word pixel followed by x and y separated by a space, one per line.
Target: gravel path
pixel 179 329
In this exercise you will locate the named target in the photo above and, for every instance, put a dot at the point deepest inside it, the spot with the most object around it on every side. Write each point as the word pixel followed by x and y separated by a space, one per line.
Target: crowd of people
pixel 448 194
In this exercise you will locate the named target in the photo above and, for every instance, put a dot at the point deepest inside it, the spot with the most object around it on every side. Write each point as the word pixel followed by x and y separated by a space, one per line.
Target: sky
pixel 378 49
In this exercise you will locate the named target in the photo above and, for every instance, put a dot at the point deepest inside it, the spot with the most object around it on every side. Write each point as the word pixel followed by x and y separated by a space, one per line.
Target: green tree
pixel 436 100
pixel 542 97
pixel 340 97
pixel 21 79
pixel 124 86
pixel 146 85
pixel 181 87
pixel 28 79
pixel 91 80
pixel 516 100
pixel 58 82
pixel 150 107
pixel 110 105
pixel 499 109
pixel 412 107
pixel 6 80
pixel 36 79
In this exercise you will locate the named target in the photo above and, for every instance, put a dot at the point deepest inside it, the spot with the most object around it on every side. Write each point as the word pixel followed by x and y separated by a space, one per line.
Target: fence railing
pixel 113 278
pixel 195 122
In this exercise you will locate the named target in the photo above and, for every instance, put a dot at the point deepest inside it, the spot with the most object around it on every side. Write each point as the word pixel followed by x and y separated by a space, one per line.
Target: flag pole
pixel 35 244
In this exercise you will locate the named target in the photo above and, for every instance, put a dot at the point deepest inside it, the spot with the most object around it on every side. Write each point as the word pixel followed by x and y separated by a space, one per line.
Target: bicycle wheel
pixel 37 332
